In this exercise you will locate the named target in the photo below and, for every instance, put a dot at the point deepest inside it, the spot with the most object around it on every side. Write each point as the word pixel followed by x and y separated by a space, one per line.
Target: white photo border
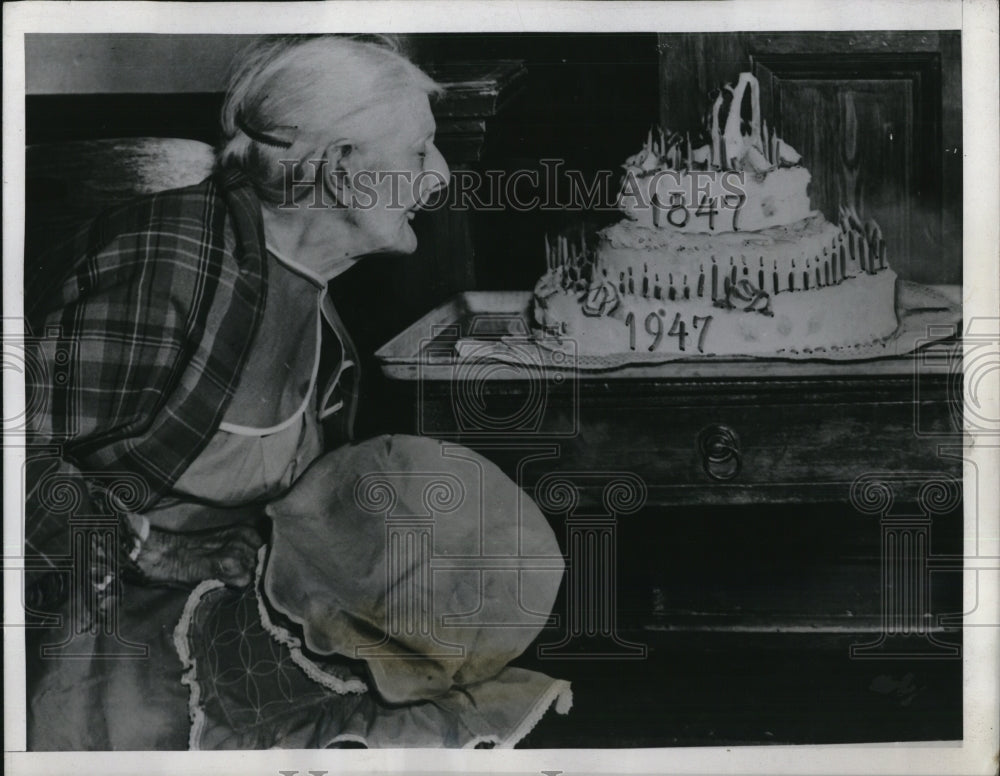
pixel 977 19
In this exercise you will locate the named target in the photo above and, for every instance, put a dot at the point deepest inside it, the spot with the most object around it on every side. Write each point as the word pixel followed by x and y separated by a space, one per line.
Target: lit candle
pixel 701 281
pixel 657 290
pixel 760 275
pixel 774 277
pixel 767 144
pixel 687 290
pixel 716 136
pixel 732 135
pixel 688 138
pixel 548 253
pixel 631 282
pixel 754 109
pixel 671 291
pixel 649 140
pixel 865 264
pixel 715 280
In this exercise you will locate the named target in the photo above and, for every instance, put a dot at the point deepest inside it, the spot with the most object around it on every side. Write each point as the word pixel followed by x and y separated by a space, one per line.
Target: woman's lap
pixel 103 692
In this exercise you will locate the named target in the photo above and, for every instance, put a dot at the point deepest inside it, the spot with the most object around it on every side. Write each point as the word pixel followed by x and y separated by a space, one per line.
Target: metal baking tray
pixel 427 348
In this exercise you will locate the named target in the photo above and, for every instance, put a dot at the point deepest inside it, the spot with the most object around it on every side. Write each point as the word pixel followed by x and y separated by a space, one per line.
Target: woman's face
pixel 400 168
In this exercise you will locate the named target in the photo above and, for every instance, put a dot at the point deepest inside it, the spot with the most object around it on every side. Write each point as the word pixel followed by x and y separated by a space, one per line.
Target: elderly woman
pixel 208 371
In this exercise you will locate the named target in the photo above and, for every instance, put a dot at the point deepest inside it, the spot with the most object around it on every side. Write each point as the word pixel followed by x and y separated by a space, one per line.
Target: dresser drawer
pixel 723 445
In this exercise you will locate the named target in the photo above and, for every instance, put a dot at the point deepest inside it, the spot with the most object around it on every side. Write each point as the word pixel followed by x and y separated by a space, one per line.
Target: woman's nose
pixel 442 175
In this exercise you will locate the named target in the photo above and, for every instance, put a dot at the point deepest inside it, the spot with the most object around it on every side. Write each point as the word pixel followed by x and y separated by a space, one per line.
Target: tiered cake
pixel 721 254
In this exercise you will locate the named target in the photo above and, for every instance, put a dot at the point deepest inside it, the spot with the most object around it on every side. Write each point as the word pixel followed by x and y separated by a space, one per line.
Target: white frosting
pixel 776 259
pixel 860 310
pixel 681 200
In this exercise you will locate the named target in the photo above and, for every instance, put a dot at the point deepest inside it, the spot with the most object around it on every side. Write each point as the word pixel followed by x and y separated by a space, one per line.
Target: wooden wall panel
pixel 860 153
pixel 876 115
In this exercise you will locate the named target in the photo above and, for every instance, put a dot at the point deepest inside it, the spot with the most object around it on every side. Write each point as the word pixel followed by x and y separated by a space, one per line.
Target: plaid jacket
pixel 142 345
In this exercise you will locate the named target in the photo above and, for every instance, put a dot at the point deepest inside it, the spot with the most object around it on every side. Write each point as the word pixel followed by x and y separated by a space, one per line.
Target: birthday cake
pixel 720 254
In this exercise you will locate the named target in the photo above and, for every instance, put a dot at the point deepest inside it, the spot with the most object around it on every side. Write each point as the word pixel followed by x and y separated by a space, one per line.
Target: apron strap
pixel 340 376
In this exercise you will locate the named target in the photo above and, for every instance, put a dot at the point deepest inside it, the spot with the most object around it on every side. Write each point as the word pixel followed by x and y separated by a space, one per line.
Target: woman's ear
pixel 338 167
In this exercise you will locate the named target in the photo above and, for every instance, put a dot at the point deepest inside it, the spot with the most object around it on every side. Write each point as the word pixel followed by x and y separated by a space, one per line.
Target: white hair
pixel 289 96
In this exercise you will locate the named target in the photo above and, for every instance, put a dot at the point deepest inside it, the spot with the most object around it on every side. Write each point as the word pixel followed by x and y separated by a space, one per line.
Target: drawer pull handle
pixel 721 457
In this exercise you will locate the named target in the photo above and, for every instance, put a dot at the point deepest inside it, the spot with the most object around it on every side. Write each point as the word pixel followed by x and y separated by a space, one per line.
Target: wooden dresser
pixel 774 483
pixel 747 434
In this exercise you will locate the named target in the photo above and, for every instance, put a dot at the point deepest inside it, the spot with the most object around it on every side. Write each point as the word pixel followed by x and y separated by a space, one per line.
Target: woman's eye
pixel 424 152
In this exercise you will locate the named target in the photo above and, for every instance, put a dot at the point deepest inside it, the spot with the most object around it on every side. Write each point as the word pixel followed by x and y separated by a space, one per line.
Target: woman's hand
pixel 227 554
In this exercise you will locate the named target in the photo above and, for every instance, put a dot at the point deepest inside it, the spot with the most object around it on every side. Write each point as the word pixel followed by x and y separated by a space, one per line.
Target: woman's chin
pixel 405 242
pixel 401 241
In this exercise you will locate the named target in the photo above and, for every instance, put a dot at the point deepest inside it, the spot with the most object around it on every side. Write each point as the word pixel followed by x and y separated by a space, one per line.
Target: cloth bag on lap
pixel 252 687
pixel 419 557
